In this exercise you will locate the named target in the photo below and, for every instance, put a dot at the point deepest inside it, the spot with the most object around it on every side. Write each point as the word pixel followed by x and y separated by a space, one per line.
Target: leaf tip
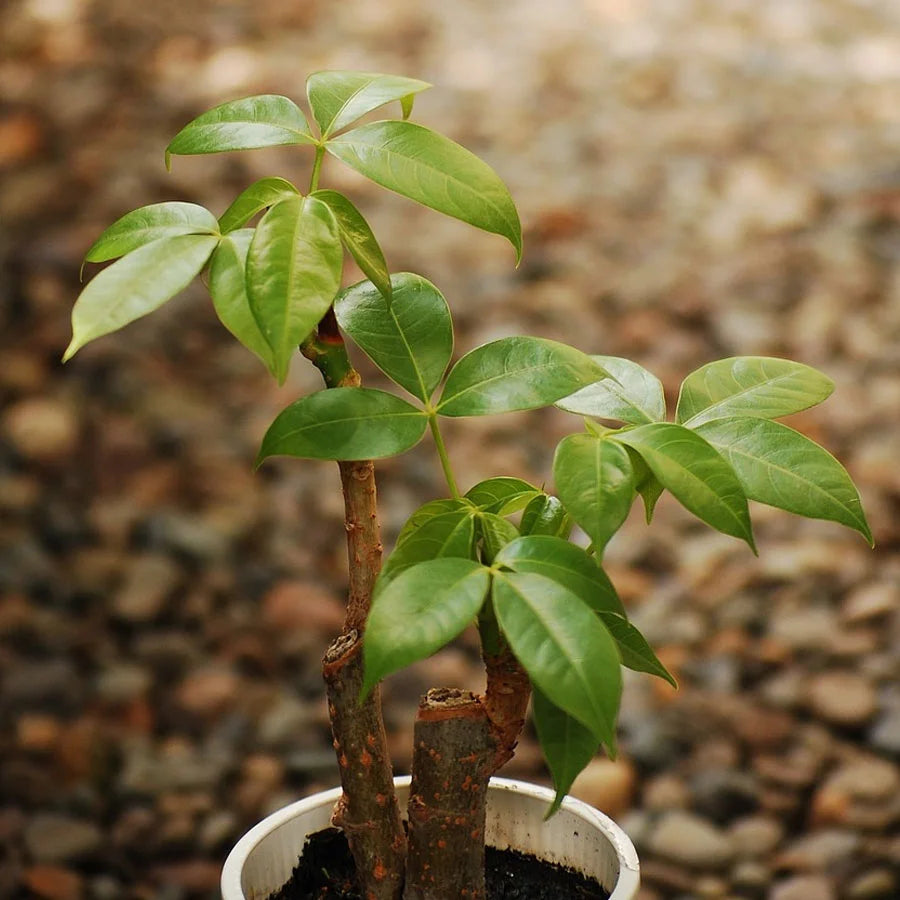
pixel 553 808
pixel 168 159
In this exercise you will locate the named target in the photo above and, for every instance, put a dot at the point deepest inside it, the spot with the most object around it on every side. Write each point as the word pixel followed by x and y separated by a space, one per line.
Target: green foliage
pixel 259 196
pixel 545 514
pixel 502 495
pixel 629 394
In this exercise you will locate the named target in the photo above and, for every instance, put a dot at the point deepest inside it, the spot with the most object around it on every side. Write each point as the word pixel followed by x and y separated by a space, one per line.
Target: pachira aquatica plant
pixel 501 553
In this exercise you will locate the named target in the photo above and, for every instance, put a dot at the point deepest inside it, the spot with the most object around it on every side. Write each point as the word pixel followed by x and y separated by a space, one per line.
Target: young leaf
pixel 546 515
pixel 595 482
pixel 434 171
pixel 410 339
pixel 567 745
pixel 428 511
pixel 501 495
pixel 630 394
pixel 566 564
pixel 636 653
pixel 228 288
pixel 781 467
pixel 150 223
pixel 760 386
pixel 645 483
pixel 496 532
pixel 293 272
pixel 419 612
pixel 450 534
pixel 259 196
pixel 263 121
pixel 564 647
pixel 136 285
pixel 344 423
pixel 696 474
pixel 515 373
pixel 339 98
pixel 359 239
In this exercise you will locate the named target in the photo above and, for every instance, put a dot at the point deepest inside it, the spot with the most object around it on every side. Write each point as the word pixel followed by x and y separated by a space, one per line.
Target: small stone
pixel 42 429
pixel 724 794
pixel 196 876
pixel 38 733
pixel 868 778
pixel 301 605
pixel 871 601
pixel 208 691
pixel 148 584
pixel 54 882
pixel 819 850
pixel 804 887
pixel 804 627
pixel 885 732
pixel 690 840
pixel 751 877
pixel 843 698
pixel 606 785
pixel 666 792
pixel 55 838
pixel 879 884
pixel 218 829
pixel 756 837
pixel 121 683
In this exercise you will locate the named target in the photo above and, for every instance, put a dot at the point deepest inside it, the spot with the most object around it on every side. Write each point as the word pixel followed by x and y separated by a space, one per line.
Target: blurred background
pixel 696 179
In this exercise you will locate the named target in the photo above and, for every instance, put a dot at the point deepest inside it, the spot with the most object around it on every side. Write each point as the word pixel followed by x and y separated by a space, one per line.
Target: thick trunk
pixel 453 753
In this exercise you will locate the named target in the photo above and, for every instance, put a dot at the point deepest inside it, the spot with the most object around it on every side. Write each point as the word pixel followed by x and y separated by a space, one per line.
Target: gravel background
pixel 696 179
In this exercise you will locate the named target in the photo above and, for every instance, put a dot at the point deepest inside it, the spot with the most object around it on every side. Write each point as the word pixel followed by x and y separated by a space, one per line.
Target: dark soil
pixel 325 872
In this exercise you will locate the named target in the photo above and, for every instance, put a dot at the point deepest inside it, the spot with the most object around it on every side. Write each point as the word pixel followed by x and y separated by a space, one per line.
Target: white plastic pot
pixel 577 836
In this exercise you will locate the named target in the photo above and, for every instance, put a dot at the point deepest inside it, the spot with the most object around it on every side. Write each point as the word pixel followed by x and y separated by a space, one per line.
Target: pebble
pixel 869 601
pixel 606 785
pixel 804 887
pixel 819 851
pixel 208 691
pixel 879 884
pixel 691 840
pixel 665 791
pixel 42 429
pixel 56 838
pixel 296 605
pixel 54 882
pixel 724 794
pixel 885 732
pixel 149 582
pixel 843 698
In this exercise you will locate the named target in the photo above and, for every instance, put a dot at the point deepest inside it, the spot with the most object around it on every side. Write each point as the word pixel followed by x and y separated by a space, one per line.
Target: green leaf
pixel 566 564
pixel 759 386
pixel 496 532
pixel 564 647
pixel 136 285
pixel 259 196
pixel 450 534
pixel 263 121
pixel 567 745
pixel 781 467
pixel 339 98
pixel 293 272
pixel 150 223
pixel 428 511
pixel 696 474
pixel 344 423
pixel 410 339
pixel 515 373
pixel 228 288
pixel 630 394
pixel 636 653
pixel 501 495
pixel 434 171
pixel 645 483
pixel 545 515
pixel 419 612
pixel 406 105
pixel 595 482
pixel 359 239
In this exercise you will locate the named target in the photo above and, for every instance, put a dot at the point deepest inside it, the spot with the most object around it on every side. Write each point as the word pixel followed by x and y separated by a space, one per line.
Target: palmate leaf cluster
pixel 500 555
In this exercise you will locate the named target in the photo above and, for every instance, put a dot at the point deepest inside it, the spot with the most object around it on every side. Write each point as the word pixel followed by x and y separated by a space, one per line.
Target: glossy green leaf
pixel 344 423
pixel 636 653
pixel 515 373
pixel 760 386
pixel 428 511
pixel 545 514
pixel 595 481
pixel 293 273
pixel 451 534
pixel 267 120
pixel 406 105
pixel 259 196
pixel 566 564
pixel 228 288
pixel 136 285
pixel 338 99
pixel 695 473
pixel 434 171
pixel 419 612
pixel 564 647
pixel 359 239
pixel 150 223
pixel 410 339
pixel 630 394
pixel 568 746
pixel 501 495
pixel 495 532
pixel 645 483
pixel 781 467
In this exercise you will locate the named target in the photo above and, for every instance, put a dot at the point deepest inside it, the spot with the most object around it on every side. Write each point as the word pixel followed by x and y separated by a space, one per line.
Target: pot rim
pixel 629 869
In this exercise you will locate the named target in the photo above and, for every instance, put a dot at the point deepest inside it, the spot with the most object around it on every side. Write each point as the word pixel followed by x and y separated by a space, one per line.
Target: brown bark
pixel 505 702
pixel 452 759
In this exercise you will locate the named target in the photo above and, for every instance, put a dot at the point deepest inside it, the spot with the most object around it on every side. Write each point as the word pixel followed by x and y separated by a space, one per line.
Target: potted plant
pixel 500 553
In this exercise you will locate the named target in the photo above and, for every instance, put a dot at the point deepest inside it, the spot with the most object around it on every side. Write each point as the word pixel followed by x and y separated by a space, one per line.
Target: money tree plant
pixel 503 554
